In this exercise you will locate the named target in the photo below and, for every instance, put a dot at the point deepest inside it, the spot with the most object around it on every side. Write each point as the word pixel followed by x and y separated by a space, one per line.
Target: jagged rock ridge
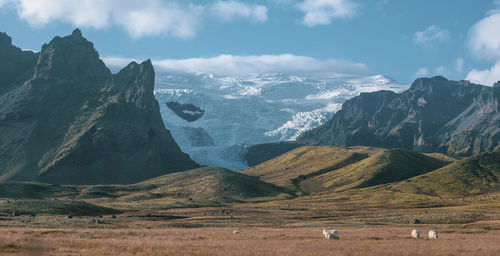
pixel 434 115
pixel 73 122
pixel 16 65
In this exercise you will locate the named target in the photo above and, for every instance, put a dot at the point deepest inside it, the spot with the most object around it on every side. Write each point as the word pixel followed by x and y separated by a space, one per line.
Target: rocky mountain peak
pixel 5 40
pixel 73 122
pixel 72 57
pixel 428 84
pixel 77 33
pixel 138 80
pixel 15 63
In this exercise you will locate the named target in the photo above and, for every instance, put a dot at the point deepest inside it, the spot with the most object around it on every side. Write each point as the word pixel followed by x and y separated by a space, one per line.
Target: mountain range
pixel 66 119
pixel 78 139
pixel 434 115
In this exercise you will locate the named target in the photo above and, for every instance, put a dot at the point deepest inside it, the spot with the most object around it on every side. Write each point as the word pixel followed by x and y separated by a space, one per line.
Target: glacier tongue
pixel 256 108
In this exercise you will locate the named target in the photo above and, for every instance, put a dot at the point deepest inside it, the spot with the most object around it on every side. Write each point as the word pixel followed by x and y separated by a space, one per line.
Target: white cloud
pixel 322 12
pixel 144 18
pixel 484 43
pixel 421 72
pixel 485 77
pixel 229 10
pixel 138 18
pixel 430 34
pixel 230 64
pixel 459 65
pixel 87 12
pixel 484 37
pixel 441 71
pixel 282 2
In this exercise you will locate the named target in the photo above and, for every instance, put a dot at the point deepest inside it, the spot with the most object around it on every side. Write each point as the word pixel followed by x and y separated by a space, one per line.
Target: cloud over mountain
pixel 137 18
pixel 231 64
pixel 485 77
pixel 484 43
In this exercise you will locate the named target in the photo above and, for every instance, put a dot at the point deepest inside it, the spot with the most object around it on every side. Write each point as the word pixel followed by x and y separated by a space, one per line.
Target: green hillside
pixel 387 166
pixel 320 169
pixel 288 169
pixel 28 190
pixel 475 175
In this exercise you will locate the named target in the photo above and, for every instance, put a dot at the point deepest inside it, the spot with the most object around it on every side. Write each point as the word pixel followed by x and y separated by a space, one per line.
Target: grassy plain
pixel 354 240
pixel 280 206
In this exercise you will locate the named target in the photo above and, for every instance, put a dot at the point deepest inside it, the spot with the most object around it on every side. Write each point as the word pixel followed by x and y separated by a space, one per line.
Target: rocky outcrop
pixel 434 115
pixel 73 122
pixel 188 112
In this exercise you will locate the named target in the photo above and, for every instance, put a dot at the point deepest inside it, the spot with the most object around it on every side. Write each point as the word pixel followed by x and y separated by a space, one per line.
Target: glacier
pixel 243 110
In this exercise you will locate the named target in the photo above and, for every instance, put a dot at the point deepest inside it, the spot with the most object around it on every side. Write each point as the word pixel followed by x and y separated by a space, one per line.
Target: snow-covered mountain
pixel 214 118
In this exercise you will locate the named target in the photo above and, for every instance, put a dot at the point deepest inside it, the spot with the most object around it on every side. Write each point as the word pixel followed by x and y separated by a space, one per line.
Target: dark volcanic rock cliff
pixel 73 122
pixel 16 65
pixel 434 115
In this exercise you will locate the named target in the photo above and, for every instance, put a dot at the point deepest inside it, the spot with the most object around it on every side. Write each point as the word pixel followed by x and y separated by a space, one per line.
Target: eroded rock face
pixel 73 122
pixel 434 115
pixel 188 112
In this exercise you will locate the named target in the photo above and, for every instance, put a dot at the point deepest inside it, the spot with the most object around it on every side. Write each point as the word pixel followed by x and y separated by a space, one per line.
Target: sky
pixel 402 39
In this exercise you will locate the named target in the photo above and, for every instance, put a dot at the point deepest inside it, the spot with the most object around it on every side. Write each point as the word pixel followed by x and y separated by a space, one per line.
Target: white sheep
pixel 236 232
pixel 415 234
pixel 331 234
pixel 334 231
pixel 433 234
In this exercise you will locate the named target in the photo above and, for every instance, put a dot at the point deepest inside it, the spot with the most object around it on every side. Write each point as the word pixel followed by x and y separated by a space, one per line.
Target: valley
pixel 283 208
pixel 322 190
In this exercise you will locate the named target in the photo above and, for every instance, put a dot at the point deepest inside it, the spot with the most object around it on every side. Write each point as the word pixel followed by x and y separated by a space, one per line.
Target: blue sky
pixel 403 39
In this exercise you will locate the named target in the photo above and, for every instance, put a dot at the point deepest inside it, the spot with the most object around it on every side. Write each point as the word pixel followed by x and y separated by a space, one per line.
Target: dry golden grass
pixel 306 160
pixel 354 240
pixel 166 216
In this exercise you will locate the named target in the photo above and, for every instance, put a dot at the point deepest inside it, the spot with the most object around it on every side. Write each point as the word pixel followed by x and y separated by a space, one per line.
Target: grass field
pixel 354 240
pixel 280 206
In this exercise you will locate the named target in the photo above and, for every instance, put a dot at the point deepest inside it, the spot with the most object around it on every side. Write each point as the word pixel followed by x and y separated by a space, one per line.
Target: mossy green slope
pixel 387 166
pixel 212 183
pixel 29 190
pixel 287 169
pixel 471 176
pixel 207 186
pixel 54 207
pixel 323 169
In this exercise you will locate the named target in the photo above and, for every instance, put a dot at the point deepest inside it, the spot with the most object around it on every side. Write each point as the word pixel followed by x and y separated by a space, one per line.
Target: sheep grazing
pixel 331 234
pixel 236 232
pixel 433 234
pixel 415 234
